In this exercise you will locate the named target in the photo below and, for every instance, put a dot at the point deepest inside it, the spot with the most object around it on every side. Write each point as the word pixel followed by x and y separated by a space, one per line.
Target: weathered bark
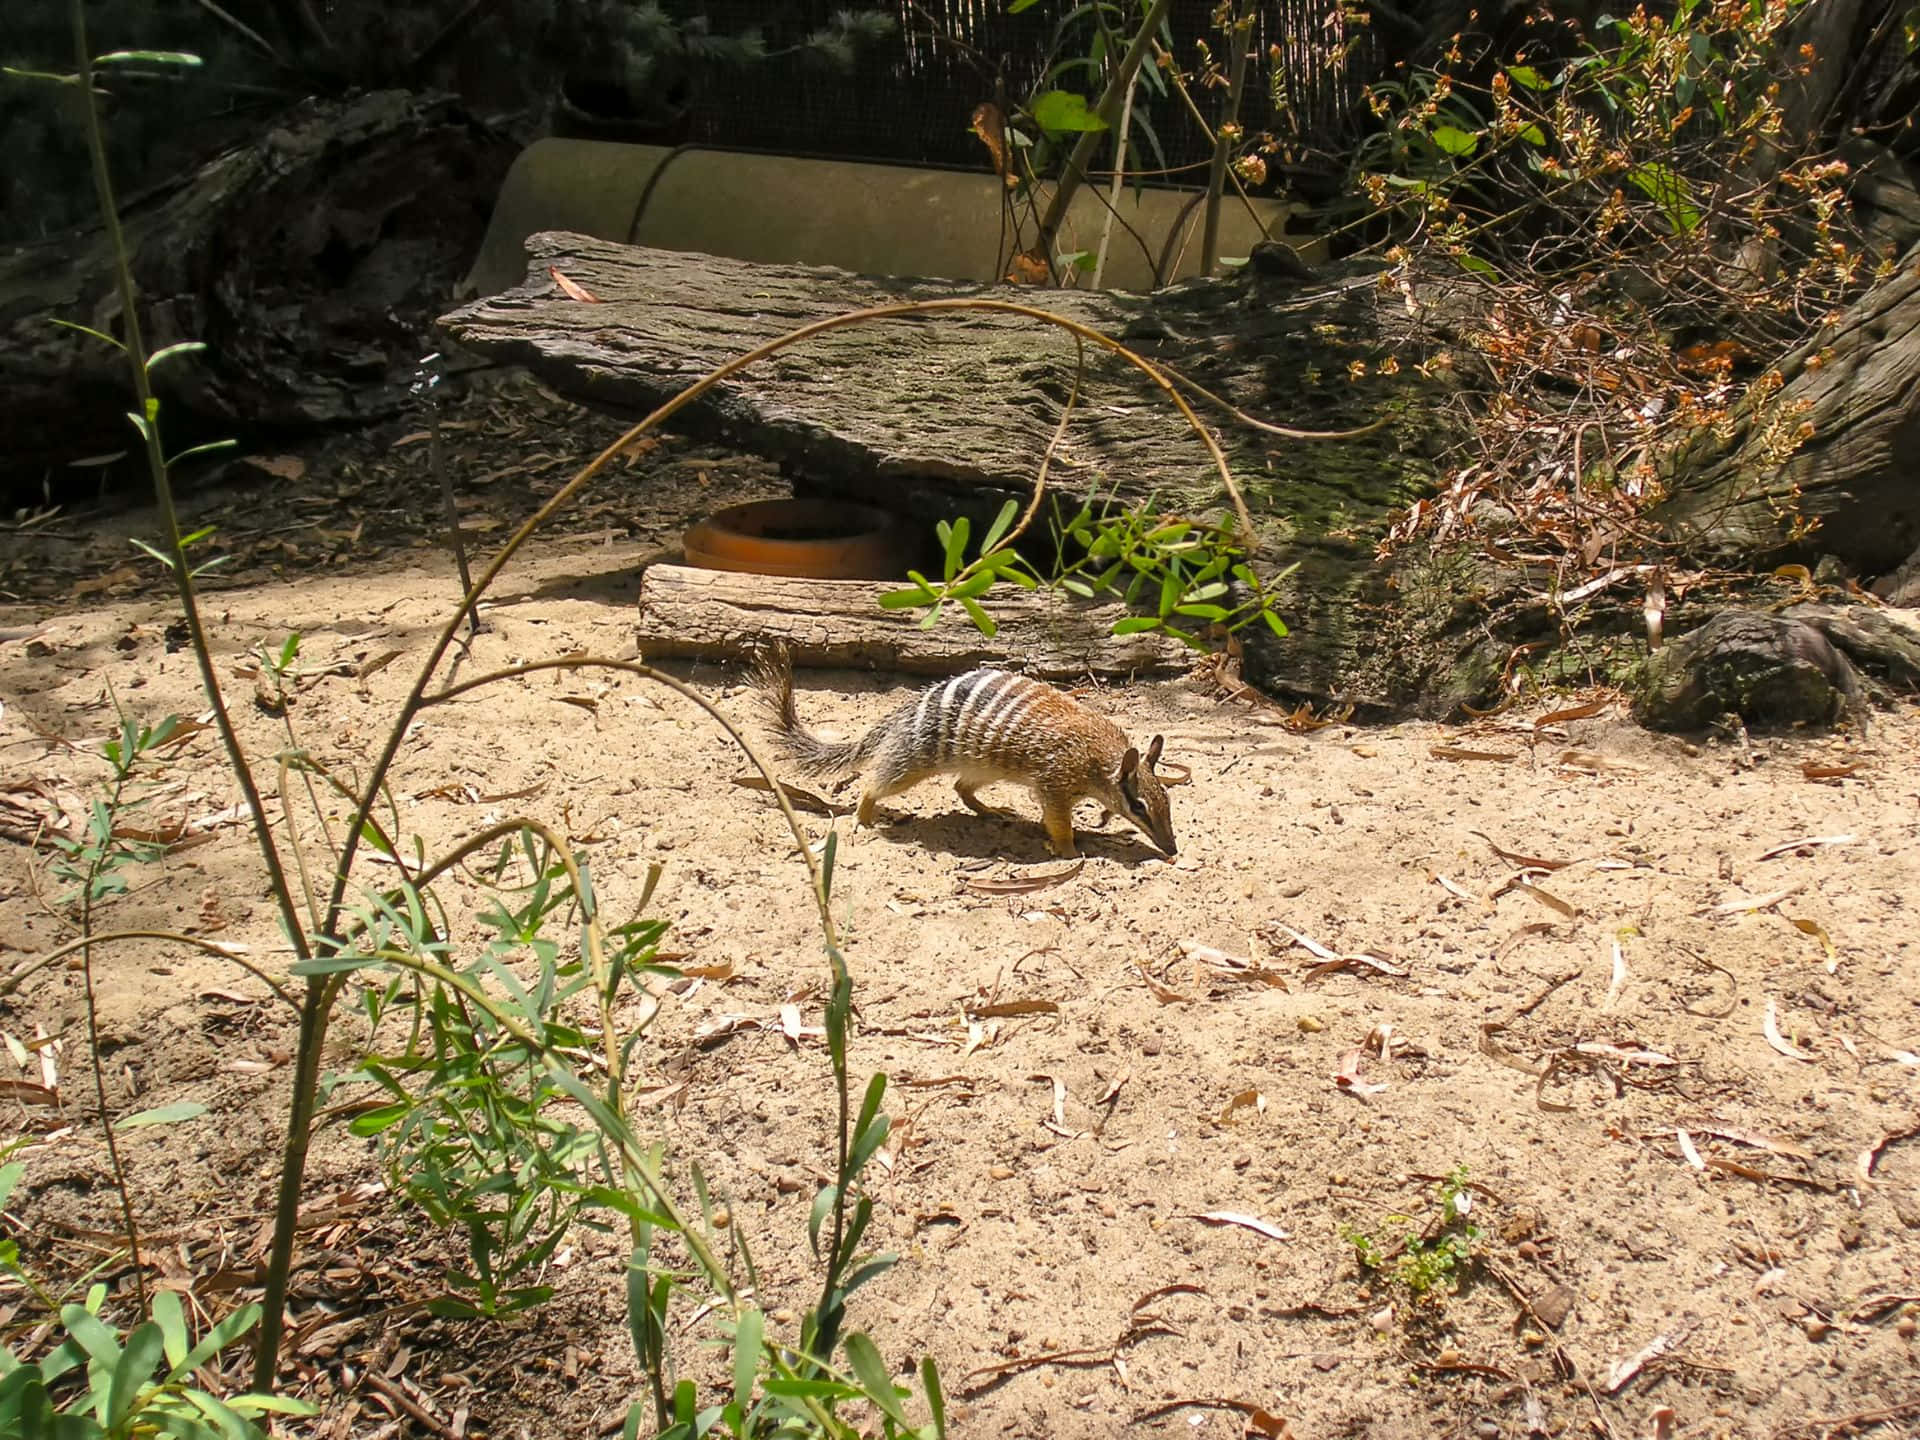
pixel 951 413
pixel 311 264
pixel 1885 644
pixel 1858 386
pixel 720 615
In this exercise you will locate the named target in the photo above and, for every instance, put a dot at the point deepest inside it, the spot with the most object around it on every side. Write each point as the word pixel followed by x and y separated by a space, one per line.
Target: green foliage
pixel 1653 238
pixel 1429 1256
pixel 129 1384
pixel 95 864
pixel 778 1389
pixel 474 1128
pixel 1622 142
pixel 1190 579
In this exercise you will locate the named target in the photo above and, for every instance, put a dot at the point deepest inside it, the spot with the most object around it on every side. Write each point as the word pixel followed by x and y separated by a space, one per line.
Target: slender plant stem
pixel 273 1318
pixel 93 1042
pixel 1238 41
pixel 1113 186
pixel 1081 159
pixel 163 487
pixel 41 961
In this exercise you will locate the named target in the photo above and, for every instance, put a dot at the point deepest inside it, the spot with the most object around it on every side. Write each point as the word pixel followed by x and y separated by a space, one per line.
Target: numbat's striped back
pixel 979 716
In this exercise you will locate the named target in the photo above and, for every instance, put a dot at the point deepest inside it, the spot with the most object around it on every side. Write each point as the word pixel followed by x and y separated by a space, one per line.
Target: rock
pixel 1771 671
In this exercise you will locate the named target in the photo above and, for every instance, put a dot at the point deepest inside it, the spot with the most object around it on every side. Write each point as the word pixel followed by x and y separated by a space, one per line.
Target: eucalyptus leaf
pixel 162 1115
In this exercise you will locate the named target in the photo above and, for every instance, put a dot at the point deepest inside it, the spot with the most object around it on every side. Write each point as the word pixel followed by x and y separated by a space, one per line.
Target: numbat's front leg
pixel 1057 815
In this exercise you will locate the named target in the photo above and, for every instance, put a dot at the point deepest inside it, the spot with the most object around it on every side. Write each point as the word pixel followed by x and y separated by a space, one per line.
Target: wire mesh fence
pixel 910 98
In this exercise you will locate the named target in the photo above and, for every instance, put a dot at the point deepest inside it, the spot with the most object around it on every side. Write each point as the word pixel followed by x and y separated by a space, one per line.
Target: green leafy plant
pixel 475 1131
pixel 1644 228
pixel 1110 63
pixel 95 864
pixel 777 1388
pixel 116 1386
pixel 1426 1257
pixel 1193 579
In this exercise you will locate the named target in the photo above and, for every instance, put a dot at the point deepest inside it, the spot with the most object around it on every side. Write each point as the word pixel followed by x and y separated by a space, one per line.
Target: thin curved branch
pixel 40 962
pixel 680 687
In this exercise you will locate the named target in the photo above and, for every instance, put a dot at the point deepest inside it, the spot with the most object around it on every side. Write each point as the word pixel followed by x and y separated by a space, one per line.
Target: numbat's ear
pixel 1129 766
pixel 1153 750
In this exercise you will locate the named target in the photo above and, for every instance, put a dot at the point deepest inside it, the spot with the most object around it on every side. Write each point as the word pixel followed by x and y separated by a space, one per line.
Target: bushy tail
pixel 773 674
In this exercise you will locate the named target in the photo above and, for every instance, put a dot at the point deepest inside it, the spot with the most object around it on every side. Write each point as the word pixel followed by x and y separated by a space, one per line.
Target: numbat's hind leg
pixel 970 796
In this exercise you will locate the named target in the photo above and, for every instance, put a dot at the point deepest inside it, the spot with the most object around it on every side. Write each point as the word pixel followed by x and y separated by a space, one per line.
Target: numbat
pixel 980 727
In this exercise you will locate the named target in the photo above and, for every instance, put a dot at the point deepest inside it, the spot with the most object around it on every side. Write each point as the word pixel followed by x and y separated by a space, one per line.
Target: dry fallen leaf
pixel 572 289
pixel 1813 928
pixel 1512 857
pixel 1805 842
pixel 1687 1149
pixel 1163 993
pixel 1773 1144
pixel 1023 884
pixel 1828 772
pixel 1362 959
pixel 1760 902
pixel 1002 1009
pixel 1625 1054
pixel 1573 712
pixel 1245 1100
pixel 800 799
pixel 1594 764
pixel 1455 752
pixel 375 663
pixel 1552 902
pixel 1306 942
pixel 1347 1077
pixel 1622 1371
pixel 1249 1222
pixel 1770 1027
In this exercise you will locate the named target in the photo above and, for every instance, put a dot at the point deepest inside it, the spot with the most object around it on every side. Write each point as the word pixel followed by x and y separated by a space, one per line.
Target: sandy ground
pixel 1678 1060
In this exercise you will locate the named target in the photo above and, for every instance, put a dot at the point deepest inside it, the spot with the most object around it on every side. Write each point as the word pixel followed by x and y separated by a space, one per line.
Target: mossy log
pixel 951 413
pixel 310 263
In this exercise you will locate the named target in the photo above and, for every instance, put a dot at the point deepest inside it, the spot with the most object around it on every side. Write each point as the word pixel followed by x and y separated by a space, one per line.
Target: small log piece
pixel 838 624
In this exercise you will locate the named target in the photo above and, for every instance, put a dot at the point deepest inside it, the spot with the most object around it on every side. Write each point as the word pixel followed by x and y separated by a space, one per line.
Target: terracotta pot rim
pixel 867 546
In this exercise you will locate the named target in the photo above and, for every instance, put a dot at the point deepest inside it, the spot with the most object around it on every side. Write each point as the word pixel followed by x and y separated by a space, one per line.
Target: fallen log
pixel 939 415
pixel 310 262
pixel 838 624
pixel 949 414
